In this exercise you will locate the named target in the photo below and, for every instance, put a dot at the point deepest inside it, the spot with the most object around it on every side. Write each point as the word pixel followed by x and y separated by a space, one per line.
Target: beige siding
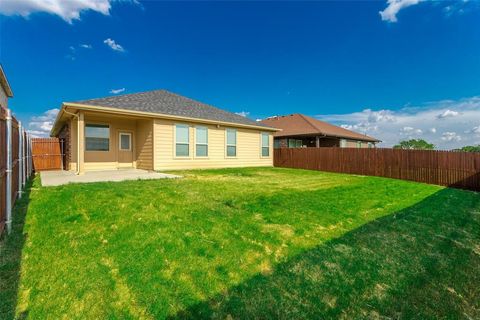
pixel 248 148
pixel 3 98
pixel 144 141
pixel 104 160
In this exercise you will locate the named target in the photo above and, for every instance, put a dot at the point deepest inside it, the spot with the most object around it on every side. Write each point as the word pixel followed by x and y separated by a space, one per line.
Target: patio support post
pixel 317 141
pixel 81 143
pixel 8 171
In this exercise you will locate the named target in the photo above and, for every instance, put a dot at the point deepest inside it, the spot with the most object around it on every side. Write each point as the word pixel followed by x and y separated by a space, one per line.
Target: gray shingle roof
pixel 165 102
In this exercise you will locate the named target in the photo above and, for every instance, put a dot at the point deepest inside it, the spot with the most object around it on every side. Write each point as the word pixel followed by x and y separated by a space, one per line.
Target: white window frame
pixel 262 146
pixel 120 141
pixel 175 141
pixel 203 144
pixel 231 145
pixel 85 136
pixel 343 143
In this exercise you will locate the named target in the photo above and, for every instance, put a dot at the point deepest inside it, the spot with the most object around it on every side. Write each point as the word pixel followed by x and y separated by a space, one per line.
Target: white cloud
pixel 40 126
pixel 243 113
pixel 410 132
pixel 448 113
pixel 86 46
pixel 451 136
pixel 117 91
pixel 474 130
pixel 113 45
pixel 394 6
pixel 68 10
pixel 429 121
pixel 449 7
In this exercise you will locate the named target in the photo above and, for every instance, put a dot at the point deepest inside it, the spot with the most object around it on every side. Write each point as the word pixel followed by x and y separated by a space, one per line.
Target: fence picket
pixel 446 168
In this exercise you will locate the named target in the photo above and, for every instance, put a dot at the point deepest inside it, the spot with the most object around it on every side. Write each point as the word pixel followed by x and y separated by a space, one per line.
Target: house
pixel 158 130
pixel 300 131
pixel 5 90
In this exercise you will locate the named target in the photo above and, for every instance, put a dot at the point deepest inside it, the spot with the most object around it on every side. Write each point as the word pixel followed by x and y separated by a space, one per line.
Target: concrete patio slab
pixel 57 178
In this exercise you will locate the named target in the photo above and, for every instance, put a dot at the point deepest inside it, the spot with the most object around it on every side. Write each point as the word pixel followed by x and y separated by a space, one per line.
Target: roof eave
pixel 369 139
pixel 87 107
pixel 4 83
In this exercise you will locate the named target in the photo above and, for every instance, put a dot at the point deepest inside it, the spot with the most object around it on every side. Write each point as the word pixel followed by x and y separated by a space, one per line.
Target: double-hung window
pixel 265 145
pixel 201 141
pixel 231 142
pixel 182 144
pixel 97 137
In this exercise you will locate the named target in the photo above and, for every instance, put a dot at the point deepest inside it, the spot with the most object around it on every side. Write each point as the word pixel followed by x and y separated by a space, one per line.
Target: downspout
pixel 78 140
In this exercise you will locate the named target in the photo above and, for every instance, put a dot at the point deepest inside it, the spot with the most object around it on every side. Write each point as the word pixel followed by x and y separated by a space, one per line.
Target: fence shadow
pixel 11 247
pixel 420 262
pixel 445 168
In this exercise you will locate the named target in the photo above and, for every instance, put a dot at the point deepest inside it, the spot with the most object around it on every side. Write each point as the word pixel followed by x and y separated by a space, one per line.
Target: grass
pixel 243 243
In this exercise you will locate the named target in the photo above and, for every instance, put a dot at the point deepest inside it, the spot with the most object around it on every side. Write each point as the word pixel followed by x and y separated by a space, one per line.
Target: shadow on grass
pixel 421 262
pixel 11 255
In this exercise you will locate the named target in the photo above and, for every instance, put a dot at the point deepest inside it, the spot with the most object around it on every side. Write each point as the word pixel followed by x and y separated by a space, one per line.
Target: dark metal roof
pixel 168 103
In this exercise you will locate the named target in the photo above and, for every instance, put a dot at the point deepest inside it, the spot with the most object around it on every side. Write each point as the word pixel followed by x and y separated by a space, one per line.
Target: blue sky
pixel 394 69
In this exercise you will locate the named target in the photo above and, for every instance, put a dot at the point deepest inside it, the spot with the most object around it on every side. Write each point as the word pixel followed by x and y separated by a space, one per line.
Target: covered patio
pixel 59 177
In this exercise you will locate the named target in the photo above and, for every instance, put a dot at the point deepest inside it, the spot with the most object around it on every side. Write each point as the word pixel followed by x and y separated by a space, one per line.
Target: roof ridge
pixel 306 118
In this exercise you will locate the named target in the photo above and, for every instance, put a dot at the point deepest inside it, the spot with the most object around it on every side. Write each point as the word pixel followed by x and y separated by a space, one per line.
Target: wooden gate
pixel 47 154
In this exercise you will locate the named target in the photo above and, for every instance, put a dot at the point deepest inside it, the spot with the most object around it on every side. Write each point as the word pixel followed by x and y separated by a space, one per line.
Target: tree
pixel 417 144
pixel 470 148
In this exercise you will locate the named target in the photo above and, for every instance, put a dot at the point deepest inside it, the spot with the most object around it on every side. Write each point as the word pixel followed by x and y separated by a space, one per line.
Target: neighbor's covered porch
pixel 108 141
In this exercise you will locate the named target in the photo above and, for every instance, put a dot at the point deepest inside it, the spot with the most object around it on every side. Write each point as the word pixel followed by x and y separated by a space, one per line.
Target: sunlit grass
pixel 259 242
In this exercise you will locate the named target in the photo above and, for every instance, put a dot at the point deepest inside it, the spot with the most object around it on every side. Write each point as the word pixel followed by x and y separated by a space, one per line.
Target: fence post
pixel 8 171
pixel 27 137
pixel 20 160
pixel 24 163
pixel 29 155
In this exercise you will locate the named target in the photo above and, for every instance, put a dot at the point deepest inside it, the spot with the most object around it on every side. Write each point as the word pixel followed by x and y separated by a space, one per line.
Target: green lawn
pixel 243 243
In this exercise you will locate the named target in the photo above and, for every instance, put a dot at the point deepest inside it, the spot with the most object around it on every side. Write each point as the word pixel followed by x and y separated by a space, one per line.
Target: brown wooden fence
pixel 446 168
pixel 47 154
pixel 15 163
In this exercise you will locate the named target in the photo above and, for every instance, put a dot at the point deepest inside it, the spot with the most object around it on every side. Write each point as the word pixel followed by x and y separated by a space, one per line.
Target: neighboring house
pixel 5 90
pixel 300 131
pixel 159 130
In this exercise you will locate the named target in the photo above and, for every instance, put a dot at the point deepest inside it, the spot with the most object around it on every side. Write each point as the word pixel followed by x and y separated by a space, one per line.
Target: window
pixel 97 137
pixel 125 141
pixel 182 143
pixel 370 145
pixel 343 143
pixel 294 143
pixel 265 145
pixel 231 142
pixel 359 144
pixel 201 143
pixel 276 143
